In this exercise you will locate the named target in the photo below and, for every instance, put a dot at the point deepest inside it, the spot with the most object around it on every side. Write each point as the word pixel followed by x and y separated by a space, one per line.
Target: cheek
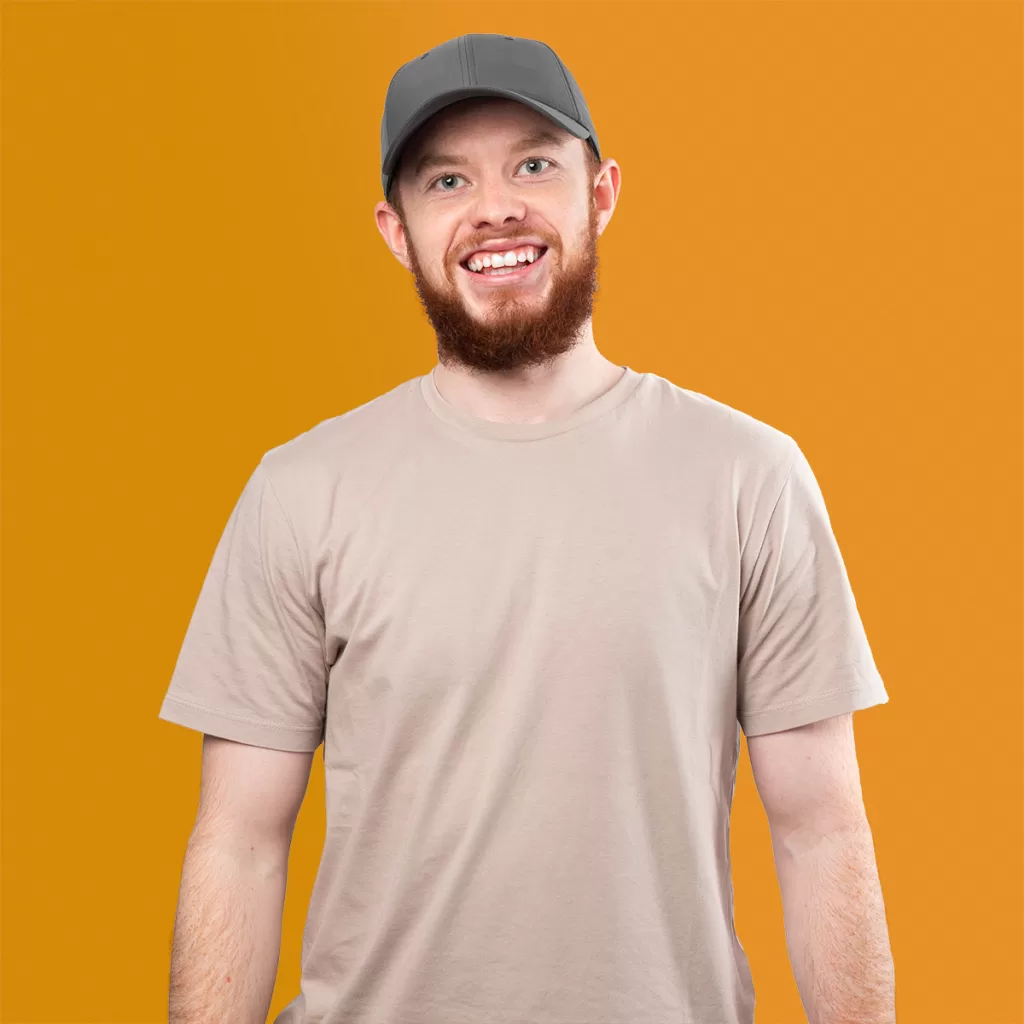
pixel 428 245
pixel 566 226
pixel 434 262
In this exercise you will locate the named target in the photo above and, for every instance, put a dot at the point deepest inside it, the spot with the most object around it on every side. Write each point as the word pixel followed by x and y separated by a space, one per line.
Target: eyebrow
pixel 433 160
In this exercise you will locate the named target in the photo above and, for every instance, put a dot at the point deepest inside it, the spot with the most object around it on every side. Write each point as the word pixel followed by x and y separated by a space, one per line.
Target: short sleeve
pixel 803 654
pixel 252 666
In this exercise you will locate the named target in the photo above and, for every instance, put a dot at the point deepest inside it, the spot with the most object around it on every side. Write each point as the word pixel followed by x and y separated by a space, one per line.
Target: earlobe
pixel 400 246
pixel 606 192
pixel 391 230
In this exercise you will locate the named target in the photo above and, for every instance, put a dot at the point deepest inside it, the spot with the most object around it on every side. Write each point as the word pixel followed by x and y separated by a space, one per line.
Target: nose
pixel 495 204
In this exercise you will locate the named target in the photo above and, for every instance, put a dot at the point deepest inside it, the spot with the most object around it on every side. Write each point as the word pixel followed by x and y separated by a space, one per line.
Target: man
pixel 527 601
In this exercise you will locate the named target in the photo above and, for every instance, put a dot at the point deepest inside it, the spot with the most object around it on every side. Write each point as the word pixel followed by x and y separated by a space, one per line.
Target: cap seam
pixel 463 60
pixel 565 79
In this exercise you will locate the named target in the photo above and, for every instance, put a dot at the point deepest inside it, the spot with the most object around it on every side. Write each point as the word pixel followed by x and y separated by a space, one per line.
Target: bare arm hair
pixel 227 930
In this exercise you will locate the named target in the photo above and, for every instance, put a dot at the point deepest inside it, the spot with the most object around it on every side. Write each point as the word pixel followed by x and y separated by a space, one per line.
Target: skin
pixel 837 935
pixel 522 351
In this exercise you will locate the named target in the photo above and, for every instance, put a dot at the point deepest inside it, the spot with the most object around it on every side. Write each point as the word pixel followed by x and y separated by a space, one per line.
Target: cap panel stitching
pixel 471 56
pixel 568 87
pixel 389 134
pixel 463 60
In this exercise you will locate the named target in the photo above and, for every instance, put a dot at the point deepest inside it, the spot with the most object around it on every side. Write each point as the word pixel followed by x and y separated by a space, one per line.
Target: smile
pixel 520 271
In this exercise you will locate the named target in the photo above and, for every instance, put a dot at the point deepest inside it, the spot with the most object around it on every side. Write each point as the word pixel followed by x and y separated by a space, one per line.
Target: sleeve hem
pixel 230 726
pixel 868 692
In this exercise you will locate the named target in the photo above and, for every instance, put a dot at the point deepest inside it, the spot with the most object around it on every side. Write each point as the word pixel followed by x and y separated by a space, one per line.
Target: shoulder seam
pixel 306 572
pixel 771 515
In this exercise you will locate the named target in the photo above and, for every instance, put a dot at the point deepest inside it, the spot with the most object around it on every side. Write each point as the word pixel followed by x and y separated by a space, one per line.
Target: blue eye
pixel 535 160
pixel 445 177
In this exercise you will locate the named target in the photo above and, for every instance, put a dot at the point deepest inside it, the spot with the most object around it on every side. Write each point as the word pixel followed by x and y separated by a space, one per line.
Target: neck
pixel 532 394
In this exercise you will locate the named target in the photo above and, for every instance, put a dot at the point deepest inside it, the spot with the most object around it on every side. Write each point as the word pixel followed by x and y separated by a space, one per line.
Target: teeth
pixel 506 259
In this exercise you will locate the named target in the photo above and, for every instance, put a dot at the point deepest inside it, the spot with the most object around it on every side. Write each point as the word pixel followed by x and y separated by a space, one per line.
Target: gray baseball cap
pixel 481 64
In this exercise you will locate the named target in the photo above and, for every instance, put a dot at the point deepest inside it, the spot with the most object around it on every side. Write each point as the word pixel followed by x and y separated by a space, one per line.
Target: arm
pixel 836 933
pixel 227 931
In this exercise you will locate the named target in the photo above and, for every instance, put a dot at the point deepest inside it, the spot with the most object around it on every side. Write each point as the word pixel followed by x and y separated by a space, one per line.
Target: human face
pixel 494 174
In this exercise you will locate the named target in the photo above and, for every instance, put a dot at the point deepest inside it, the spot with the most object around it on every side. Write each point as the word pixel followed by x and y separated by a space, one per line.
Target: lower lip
pixel 521 273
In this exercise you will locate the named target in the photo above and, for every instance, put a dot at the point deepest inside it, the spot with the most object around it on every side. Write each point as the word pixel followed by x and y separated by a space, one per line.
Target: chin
pixel 531 299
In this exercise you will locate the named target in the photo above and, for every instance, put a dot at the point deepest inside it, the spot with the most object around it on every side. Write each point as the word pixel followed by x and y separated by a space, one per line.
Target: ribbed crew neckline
pixel 444 410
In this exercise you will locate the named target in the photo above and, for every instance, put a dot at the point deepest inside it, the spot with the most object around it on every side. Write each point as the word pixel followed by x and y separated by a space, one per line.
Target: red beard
pixel 514 336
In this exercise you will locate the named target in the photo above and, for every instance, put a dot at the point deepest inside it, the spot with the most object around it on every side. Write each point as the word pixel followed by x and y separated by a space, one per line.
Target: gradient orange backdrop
pixel 819 224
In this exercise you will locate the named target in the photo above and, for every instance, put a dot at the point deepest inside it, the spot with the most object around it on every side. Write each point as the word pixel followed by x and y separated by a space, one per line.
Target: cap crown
pixel 480 64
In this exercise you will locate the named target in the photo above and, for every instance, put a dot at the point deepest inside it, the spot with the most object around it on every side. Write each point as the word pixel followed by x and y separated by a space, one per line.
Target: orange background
pixel 819 224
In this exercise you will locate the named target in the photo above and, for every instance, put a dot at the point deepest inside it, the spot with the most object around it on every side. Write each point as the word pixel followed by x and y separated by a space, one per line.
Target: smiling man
pixel 496 212
pixel 527 601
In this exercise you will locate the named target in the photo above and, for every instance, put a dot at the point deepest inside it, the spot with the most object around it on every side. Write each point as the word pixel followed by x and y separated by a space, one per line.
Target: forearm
pixel 227 934
pixel 836 931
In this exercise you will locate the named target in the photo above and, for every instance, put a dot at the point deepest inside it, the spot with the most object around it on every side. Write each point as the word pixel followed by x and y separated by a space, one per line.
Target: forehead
pixel 480 122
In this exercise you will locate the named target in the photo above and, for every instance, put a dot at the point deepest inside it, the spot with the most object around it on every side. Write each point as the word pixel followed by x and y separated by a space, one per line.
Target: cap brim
pixel 438 103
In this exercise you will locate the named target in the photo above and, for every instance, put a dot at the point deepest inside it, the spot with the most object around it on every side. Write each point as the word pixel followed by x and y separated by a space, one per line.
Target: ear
pixel 392 230
pixel 607 182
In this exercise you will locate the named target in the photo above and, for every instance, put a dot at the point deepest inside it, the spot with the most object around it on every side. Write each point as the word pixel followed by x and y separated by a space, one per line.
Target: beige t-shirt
pixel 528 650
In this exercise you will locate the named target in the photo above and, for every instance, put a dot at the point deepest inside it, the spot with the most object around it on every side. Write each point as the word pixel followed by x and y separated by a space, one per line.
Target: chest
pixel 455 569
